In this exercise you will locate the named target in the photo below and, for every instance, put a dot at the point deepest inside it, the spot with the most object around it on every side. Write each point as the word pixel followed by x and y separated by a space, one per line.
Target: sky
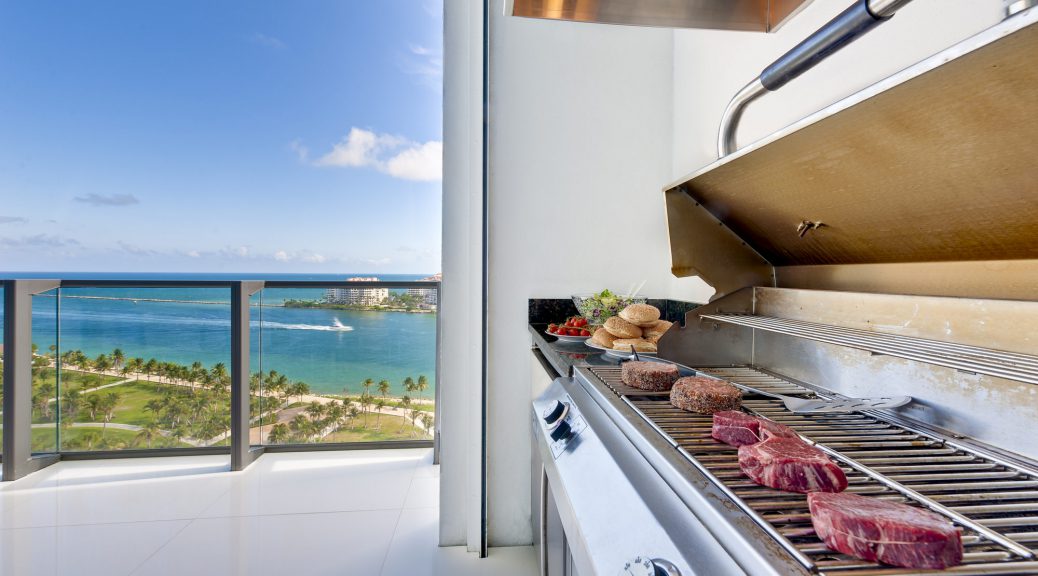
pixel 221 136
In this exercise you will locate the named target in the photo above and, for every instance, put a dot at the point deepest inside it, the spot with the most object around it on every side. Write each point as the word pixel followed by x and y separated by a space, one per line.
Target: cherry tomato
pixel 585 333
pixel 573 332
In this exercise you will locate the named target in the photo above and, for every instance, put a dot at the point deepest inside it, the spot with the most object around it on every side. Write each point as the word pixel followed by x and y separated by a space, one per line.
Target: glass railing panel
pixel 347 364
pixel 46 372
pixel 144 368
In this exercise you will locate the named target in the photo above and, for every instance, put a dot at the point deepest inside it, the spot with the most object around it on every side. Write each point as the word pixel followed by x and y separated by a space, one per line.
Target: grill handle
pixel 846 27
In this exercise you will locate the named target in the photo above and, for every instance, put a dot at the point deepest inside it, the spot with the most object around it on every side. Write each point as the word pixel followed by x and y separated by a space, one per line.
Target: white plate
pixel 567 338
pixel 616 353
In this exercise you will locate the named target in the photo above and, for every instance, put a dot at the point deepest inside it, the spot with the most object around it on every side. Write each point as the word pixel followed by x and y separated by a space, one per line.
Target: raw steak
pixel 735 428
pixel 654 376
pixel 705 395
pixel 881 531
pixel 770 428
pixel 792 465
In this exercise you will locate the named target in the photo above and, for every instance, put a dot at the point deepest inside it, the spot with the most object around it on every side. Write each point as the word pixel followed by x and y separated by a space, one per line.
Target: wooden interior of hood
pixel 940 168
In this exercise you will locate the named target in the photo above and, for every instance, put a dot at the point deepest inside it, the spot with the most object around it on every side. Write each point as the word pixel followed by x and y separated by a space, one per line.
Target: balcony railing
pixel 113 368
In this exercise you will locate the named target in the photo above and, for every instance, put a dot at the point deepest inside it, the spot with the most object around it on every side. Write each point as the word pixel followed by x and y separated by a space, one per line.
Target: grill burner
pixel 994 501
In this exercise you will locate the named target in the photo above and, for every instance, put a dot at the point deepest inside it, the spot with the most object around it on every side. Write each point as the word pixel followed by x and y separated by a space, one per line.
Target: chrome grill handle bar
pixel 845 28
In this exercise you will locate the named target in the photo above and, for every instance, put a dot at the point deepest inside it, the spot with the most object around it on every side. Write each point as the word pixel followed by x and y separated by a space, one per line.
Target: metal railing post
pixel 18 459
pixel 242 453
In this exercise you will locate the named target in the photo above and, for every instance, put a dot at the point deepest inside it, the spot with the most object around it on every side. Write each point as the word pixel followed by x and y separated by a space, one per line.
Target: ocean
pixel 331 350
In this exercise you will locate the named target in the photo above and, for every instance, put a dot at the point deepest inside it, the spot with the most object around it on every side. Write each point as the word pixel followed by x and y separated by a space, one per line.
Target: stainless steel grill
pixel 995 501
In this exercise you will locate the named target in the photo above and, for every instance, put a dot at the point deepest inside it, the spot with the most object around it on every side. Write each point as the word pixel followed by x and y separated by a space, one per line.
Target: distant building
pixel 428 295
pixel 357 296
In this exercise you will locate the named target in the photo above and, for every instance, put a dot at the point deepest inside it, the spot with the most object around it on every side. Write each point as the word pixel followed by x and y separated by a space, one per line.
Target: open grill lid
pixel 927 175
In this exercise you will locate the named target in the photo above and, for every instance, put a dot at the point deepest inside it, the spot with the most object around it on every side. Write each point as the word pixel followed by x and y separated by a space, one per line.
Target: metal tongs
pixel 809 405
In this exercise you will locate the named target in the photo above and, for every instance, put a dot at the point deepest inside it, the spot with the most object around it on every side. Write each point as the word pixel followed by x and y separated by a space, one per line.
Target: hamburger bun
pixel 641 314
pixel 656 331
pixel 621 328
pixel 640 345
pixel 603 338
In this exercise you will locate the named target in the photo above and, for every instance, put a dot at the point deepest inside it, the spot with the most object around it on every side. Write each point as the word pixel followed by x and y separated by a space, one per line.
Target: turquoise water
pixel 331 350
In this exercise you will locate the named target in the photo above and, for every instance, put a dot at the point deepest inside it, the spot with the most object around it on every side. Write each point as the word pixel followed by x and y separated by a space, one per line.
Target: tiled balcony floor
pixel 289 514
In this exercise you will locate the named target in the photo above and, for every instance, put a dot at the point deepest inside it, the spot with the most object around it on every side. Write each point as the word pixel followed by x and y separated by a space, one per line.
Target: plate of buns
pixel 637 326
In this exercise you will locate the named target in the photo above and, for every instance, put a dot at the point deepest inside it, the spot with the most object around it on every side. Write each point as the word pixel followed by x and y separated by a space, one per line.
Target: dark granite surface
pixel 548 310
pixel 565 355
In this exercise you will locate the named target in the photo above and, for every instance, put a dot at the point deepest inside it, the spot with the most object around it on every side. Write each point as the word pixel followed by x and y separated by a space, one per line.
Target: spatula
pixel 819 405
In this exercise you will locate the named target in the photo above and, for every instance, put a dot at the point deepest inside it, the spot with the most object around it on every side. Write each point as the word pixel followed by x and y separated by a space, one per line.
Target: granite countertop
pixel 563 356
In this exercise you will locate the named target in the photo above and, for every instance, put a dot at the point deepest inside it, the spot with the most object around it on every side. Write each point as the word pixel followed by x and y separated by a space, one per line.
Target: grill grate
pixel 995 503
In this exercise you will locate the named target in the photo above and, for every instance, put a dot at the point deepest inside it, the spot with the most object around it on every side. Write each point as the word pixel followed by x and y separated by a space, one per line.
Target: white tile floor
pixel 292 514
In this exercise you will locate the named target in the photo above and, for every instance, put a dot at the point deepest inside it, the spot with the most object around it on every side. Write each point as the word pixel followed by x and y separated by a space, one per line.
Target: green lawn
pixel 73 439
pixel 391 430
pixel 132 398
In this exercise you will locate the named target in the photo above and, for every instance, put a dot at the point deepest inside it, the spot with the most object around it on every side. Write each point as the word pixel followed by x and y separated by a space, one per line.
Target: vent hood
pixel 751 15
pixel 924 183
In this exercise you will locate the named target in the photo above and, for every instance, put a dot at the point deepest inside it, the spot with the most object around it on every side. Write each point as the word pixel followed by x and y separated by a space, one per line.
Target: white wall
pixel 711 66
pixel 580 149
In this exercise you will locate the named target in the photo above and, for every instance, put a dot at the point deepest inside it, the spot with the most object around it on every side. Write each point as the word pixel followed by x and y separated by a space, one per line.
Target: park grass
pixel 133 396
pixel 43 440
pixel 390 430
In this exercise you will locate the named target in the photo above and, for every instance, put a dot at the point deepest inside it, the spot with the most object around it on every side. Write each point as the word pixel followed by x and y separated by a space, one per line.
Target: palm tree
pixel 409 384
pixel 278 434
pixel 423 385
pixel 118 357
pixel 299 389
pixel 111 400
pixel 137 364
pixel 365 404
pixel 383 388
pixel 71 401
pixel 353 412
pixel 405 403
pixel 300 425
pixel 102 363
pixel 414 414
pixel 379 405
pixel 367 384
pixel 220 373
pixel 177 434
pixel 151 367
pixel 93 404
pixel 427 422
pixel 315 410
pixel 45 393
pixel 148 433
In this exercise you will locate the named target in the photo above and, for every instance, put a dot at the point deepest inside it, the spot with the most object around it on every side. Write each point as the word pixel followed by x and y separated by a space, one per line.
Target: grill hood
pixel 925 183
pixel 753 15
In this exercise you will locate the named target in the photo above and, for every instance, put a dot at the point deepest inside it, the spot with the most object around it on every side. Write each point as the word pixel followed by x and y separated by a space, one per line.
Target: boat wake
pixel 337 326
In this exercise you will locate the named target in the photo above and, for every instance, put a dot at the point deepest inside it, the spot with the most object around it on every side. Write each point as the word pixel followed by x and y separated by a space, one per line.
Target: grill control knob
pixel 562 431
pixel 642 566
pixel 555 412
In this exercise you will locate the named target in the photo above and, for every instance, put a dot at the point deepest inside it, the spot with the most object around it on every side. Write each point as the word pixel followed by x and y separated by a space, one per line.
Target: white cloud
pixel 136 250
pixel 108 200
pixel 193 254
pixel 39 241
pixel 426 64
pixel 302 256
pixel 12 220
pixel 421 162
pixel 301 151
pixel 268 41
pixel 393 155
